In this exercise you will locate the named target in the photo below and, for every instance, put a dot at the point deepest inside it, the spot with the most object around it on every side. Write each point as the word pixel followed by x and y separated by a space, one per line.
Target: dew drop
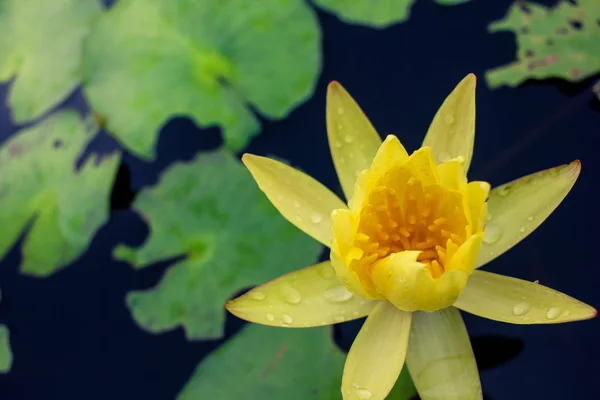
pixel 522 229
pixel 290 294
pixel 443 156
pixel 316 218
pixel 530 218
pixel 489 216
pixel 491 234
pixel 503 191
pixel 521 309
pixel 296 204
pixel 338 144
pixel 567 313
pixel 257 295
pixel 553 313
pixel 326 271
pixel 299 218
pixel 270 317
pixel 363 394
pixel 340 110
pixel 449 119
pixel 339 318
pixel 348 139
pixel 287 318
pixel 340 127
pixel 337 294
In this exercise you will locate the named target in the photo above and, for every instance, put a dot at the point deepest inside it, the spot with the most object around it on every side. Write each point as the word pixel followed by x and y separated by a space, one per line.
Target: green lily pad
pixel 274 363
pixel 6 356
pixel 376 14
pixel 40 46
pixel 556 42
pixel 264 362
pixel 211 211
pixel 40 183
pixel 212 60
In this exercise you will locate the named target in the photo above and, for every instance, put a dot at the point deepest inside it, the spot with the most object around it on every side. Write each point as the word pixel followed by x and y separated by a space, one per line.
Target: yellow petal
pixel 410 286
pixel 422 167
pixel 516 301
pixel 452 131
pixel 352 138
pixel 377 354
pixel 465 257
pixel 517 208
pixel 477 192
pixel 440 358
pixel 390 154
pixel 452 174
pixel 299 198
pixel 312 296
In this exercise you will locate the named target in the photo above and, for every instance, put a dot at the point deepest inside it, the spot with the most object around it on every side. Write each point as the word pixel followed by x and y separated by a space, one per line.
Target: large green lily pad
pixel 212 60
pixel 40 183
pixel 40 46
pixel 264 362
pixel 557 42
pixel 376 14
pixel 273 363
pixel 211 211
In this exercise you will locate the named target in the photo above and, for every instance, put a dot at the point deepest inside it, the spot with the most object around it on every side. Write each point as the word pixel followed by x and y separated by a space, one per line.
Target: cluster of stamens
pixel 409 216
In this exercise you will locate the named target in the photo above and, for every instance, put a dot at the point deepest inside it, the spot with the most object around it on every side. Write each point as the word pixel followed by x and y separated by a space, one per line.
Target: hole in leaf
pixel 577 25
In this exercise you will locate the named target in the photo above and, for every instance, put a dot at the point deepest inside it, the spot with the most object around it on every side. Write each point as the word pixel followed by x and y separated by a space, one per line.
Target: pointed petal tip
pixel 334 85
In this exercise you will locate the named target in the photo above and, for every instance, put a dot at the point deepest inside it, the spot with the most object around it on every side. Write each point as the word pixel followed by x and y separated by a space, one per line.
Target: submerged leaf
pixel 376 14
pixel 40 46
pixel 211 211
pixel 558 42
pixel 6 356
pixel 270 363
pixel 39 182
pixel 380 14
pixel 211 60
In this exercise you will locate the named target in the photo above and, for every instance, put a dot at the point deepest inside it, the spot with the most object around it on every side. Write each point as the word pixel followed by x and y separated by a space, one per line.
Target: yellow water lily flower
pixel 406 248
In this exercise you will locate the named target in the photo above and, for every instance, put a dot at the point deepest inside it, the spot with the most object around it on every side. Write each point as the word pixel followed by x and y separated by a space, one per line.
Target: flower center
pixel 401 215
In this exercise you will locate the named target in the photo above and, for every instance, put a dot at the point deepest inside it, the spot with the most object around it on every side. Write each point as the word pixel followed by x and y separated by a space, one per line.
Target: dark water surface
pixel 73 337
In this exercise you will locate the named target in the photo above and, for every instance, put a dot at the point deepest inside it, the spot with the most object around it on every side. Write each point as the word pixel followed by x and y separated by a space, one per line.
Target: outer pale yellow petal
pixel 352 138
pixel 312 296
pixel 517 208
pixel 299 198
pixel 377 354
pixel 516 301
pixel 440 358
pixel 452 131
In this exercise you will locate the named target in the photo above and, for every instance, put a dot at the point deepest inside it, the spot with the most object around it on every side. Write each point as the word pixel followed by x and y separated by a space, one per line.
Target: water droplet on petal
pixel 339 318
pixel 316 218
pixel 530 218
pixel 491 234
pixel 287 318
pixel 257 295
pixel 340 110
pixel 270 317
pixel 348 139
pixel 503 191
pixel 363 394
pixel 521 309
pixel 522 229
pixel 338 144
pixel 296 204
pixel 290 294
pixel 337 294
pixel 448 119
pixel 553 313
pixel 489 216
pixel 326 271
